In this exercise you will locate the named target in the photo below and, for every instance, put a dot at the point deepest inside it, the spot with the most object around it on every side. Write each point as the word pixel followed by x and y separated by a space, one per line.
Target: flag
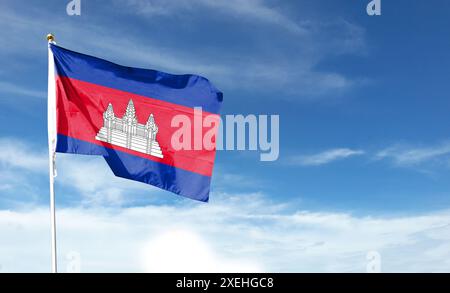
pixel 135 118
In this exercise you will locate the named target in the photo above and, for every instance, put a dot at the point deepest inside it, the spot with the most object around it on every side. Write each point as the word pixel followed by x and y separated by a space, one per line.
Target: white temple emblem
pixel 128 133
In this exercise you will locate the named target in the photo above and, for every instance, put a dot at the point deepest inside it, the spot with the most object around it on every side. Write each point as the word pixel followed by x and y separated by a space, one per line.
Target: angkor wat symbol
pixel 128 133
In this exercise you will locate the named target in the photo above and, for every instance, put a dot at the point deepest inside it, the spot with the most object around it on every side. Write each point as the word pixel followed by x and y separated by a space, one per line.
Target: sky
pixel 364 138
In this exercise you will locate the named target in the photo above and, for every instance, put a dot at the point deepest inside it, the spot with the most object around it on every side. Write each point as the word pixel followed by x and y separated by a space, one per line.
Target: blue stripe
pixel 179 181
pixel 187 90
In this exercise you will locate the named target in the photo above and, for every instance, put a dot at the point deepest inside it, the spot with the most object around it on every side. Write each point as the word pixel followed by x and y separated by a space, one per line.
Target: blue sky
pixel 364 136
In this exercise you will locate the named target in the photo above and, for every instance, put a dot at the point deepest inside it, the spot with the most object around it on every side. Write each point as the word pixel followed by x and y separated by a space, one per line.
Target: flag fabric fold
pixel 126 115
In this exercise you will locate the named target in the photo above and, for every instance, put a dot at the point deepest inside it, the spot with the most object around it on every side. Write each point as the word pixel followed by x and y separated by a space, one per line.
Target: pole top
pixel 50 38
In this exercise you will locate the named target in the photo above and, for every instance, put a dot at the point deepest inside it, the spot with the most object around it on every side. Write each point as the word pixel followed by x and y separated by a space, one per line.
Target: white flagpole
pixel 51 120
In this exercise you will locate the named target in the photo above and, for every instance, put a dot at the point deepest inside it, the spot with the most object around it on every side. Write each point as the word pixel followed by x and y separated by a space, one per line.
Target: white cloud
pixel 401 155
pixel 15 153
pixel 404 155
pixel 255 10
pixel 233 233
pixel 10 88
pixel 22 168
pixel 164 254
pixel 325 157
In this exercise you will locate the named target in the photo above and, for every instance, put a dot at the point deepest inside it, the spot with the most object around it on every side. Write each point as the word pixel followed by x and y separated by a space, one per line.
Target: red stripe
pixel 80 108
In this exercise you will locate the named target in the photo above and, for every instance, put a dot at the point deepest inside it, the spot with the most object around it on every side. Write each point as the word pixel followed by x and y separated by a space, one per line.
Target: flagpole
pixel 51 120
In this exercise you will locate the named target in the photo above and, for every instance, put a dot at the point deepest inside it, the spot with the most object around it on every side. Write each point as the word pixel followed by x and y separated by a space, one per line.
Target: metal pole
pixel 53 221
pixel 51 117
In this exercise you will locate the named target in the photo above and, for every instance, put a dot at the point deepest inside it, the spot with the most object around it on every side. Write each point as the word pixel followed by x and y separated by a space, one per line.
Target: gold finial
pixel 50 38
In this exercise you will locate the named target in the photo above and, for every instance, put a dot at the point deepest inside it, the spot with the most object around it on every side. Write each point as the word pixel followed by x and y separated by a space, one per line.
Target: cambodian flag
pixel 133 118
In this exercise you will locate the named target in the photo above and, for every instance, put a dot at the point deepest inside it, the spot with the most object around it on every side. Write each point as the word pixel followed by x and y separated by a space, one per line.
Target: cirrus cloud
pixel 324 157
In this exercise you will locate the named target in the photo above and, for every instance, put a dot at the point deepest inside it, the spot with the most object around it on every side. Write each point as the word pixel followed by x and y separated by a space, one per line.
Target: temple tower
pixel 130 122
pixel 108 120
pixel 150 132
